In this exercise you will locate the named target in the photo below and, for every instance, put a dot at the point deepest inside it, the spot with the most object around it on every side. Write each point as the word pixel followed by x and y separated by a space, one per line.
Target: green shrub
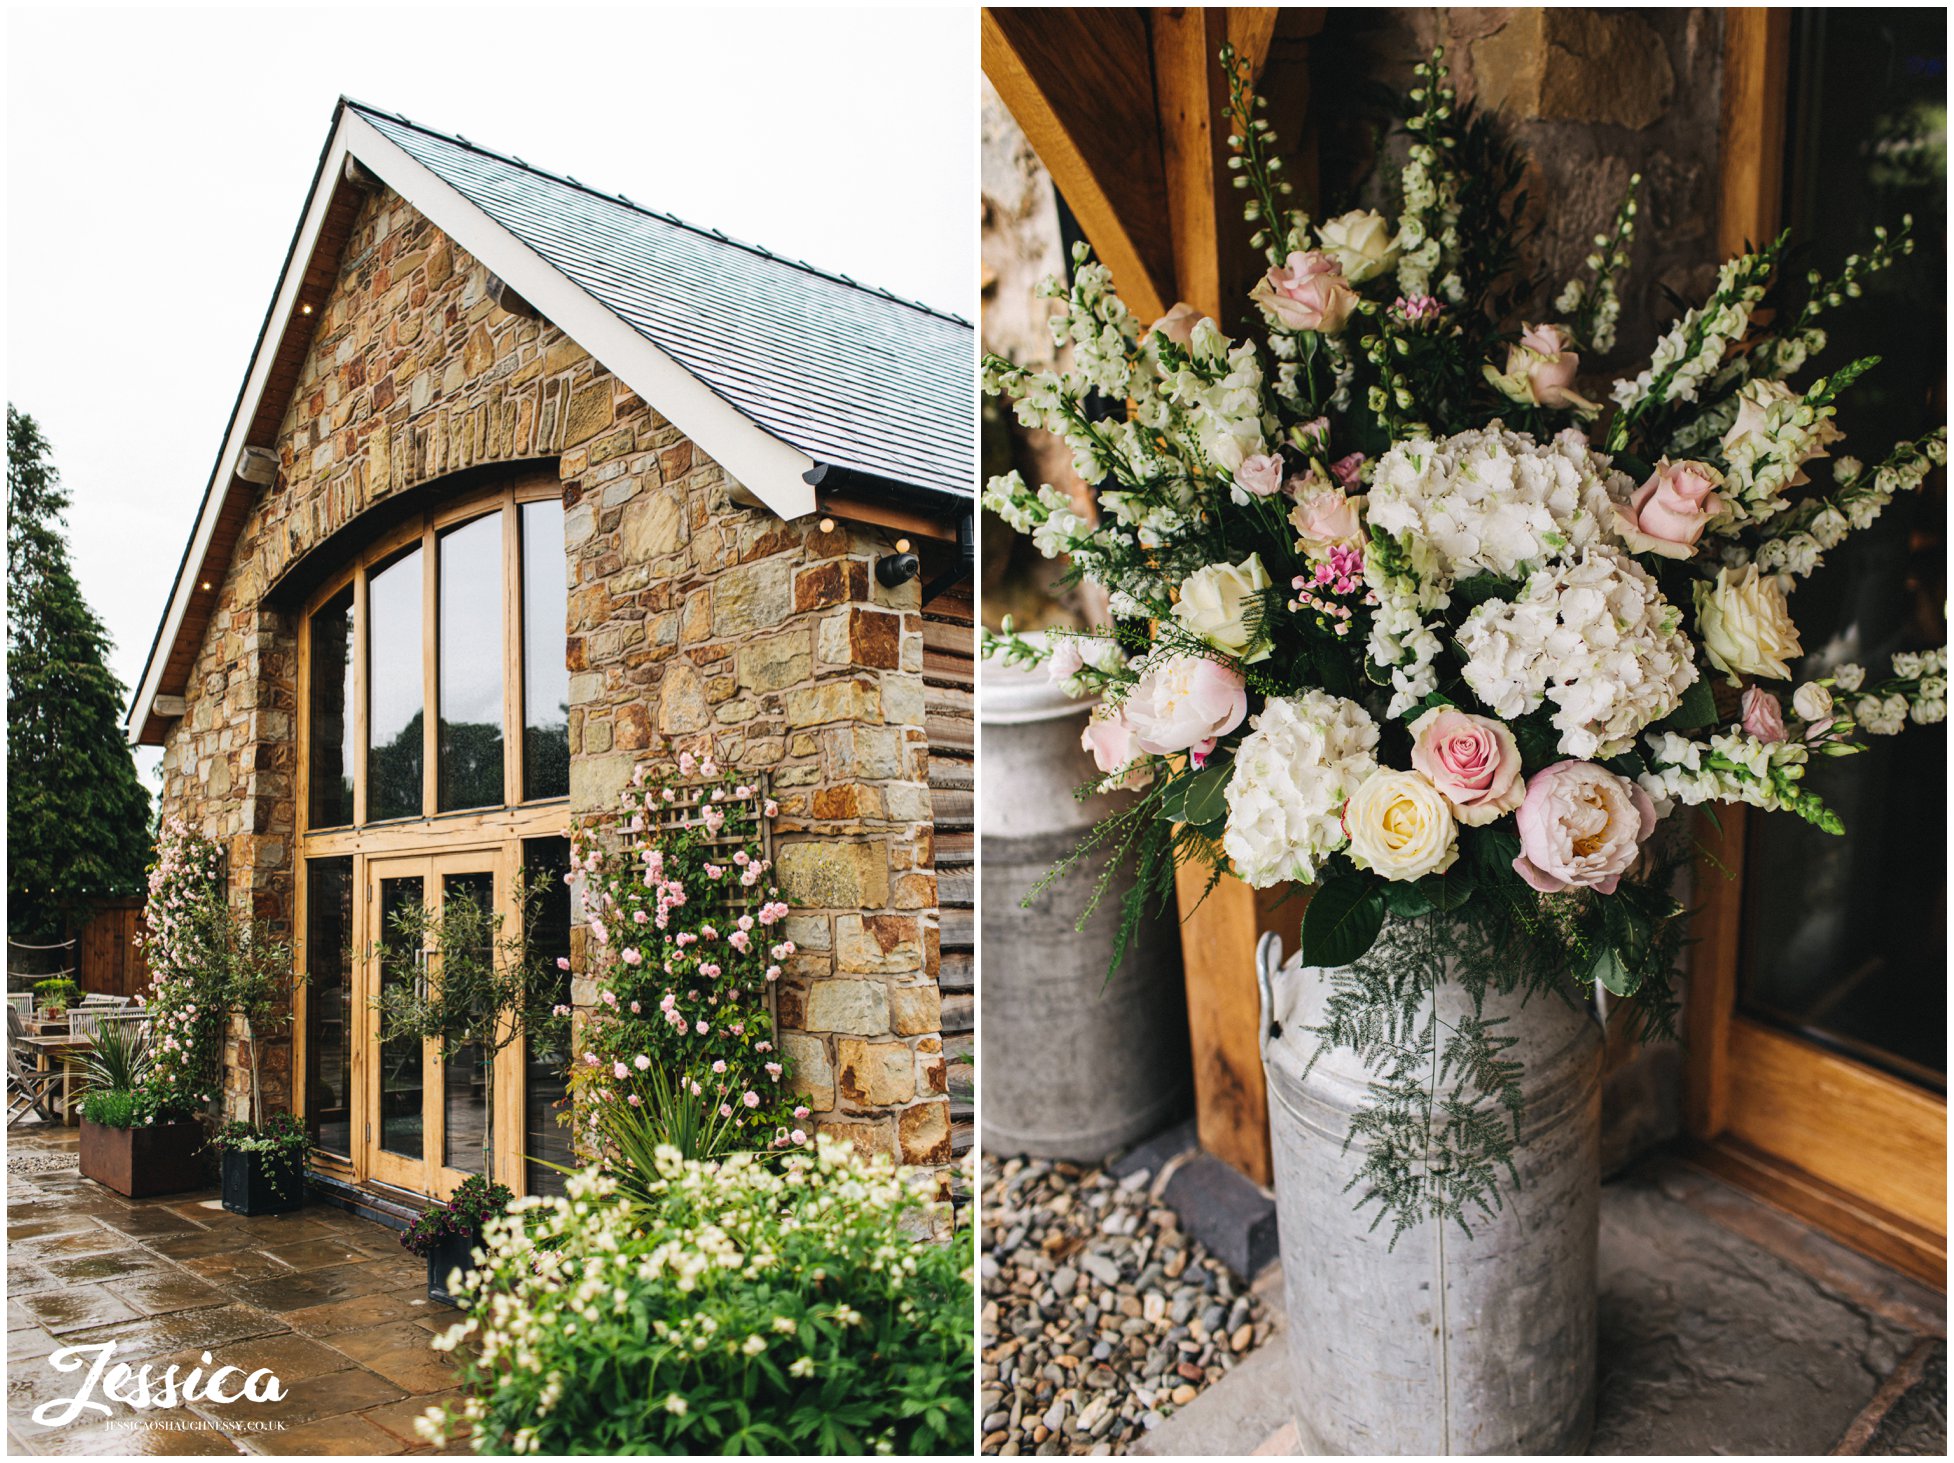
pixel 57 993
pixel 114 1107
pixel 784 1305
pixel 475 1201
pixel 119 1060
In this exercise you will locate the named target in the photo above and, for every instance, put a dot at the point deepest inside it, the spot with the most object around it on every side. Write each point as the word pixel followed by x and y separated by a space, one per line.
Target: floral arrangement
pixel 464 1215
pixel 684 940
pixel 780 1305
pixel 1403 614
pixel 183 920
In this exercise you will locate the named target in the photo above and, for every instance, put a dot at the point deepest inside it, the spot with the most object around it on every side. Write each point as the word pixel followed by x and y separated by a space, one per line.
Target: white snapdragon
pixel 1776 432
pixel 1294 771
pixel 1594 636
pixel 1695 346
pixel 1732 768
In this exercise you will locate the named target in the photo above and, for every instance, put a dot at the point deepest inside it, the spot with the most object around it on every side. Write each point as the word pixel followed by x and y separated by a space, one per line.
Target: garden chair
pixel 84 1023
pixel 21 1001
pixel 28 1090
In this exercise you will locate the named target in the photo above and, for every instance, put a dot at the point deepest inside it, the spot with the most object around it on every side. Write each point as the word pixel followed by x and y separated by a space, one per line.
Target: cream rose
pixel 1309 293
pixel 1540 370
pixel 1745 625
pixel 1400 826
pixel 1324 516
pixel 1185 703
pixel 1472 760
pixel 1812 702
pixel 1666 514
pixel 1360 241
pixel 1580 826
pixel 1214 605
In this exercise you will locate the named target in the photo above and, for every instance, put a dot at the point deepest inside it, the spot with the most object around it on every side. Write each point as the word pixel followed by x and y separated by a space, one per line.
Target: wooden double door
pixel 422 1119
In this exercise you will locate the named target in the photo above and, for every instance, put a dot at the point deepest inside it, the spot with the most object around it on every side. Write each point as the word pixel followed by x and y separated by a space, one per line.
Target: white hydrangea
pixel 1494 501
pixel 1294 771
pixel 1593 635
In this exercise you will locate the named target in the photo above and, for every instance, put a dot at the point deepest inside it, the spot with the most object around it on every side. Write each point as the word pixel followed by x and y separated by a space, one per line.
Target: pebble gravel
pixel 1100 1316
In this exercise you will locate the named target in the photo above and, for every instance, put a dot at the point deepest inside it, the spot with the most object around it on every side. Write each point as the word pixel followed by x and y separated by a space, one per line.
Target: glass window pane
pixel 545 659
pixel 403 1061
pixel 545 1093
pixel 329 1004
pixel 330 721
pixel 465 1073
pixel 394 700
pixel 470 679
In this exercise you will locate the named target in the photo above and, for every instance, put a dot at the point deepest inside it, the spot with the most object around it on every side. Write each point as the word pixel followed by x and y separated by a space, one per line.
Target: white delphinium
pixel 1776 432
pixel 1293 773
pixel 1593 635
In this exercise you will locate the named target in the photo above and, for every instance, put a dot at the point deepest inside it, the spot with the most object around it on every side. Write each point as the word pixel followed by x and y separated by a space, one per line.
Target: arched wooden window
pixel 434 763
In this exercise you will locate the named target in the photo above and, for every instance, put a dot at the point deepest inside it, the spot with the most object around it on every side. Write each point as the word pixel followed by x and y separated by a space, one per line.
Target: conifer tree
pixel 77 814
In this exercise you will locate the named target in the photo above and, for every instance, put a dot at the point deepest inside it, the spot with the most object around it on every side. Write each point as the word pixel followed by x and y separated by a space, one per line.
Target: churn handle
pixel 1268 965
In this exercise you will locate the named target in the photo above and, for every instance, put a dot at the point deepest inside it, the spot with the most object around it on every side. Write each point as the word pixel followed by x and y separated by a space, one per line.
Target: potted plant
pixel 263 1158
pixel 127 1143
pixel 53 996
pixel 446 1233
pixel 153 1141
pixel 263 1170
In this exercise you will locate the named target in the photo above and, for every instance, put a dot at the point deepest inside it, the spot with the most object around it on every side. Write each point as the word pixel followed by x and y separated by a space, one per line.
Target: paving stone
pixel 1916 1426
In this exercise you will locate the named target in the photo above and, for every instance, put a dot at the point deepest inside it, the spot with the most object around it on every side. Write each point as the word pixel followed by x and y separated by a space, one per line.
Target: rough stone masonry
pixel 696 623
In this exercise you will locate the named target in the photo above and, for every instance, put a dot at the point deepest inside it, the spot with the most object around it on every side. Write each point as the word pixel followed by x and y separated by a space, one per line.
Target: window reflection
pixel 545 1094
pixel 330 777
pixel 394 746
pixel 470 672
pixel 545 664
pixel 329 1004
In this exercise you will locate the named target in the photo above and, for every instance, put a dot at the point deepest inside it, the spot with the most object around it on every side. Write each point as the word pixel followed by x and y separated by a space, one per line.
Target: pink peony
pixel 1763 716
pixel 1185 703
pixel 1308 293
pixel 1109 738
pixel 1472 760
pixel 1666 515
pixel 1581 826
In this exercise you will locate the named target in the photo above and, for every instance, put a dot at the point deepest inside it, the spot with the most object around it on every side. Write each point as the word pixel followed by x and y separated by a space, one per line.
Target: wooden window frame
pixel 503 829
pixel 1859 1152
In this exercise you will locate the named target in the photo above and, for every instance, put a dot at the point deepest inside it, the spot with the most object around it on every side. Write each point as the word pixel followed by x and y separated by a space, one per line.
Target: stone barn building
pixel 527 485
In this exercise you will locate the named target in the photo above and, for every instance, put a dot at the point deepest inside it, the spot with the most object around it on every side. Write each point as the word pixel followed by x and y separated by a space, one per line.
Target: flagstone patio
pixel 329 1302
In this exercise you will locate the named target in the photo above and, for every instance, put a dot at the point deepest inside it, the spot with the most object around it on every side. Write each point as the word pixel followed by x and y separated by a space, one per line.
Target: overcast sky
pixel 157 162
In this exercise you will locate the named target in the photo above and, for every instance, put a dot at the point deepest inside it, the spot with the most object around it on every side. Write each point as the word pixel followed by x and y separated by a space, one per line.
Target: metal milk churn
pixel 1447 1343
pixel 1073 1065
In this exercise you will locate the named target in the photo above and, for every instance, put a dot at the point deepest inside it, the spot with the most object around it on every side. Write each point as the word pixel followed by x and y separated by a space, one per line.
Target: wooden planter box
pixel 259 1183
pixel 138 1163
pixel 449 1254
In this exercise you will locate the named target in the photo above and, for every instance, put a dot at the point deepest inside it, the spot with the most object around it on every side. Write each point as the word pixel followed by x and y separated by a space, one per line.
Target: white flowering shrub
pixel 756 1306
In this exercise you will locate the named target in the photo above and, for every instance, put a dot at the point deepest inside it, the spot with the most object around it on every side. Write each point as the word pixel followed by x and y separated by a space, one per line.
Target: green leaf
pixel 1406 901
pixel 1206 799
pixel 1697 709
pixel 1613 973
pixel 1342 921
pixel 1447 891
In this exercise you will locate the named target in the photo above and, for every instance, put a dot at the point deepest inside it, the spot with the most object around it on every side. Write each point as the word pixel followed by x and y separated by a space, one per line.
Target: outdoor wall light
pixel 305 309
pixel 827 525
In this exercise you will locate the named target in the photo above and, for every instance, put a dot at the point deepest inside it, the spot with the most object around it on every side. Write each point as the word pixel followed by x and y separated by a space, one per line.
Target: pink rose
pixel 1260 477
pixel 1540 370
pixel 1763 717
pixel 1178 323
pixel 1473 760
pixel 1666 514
pixel 1348 471
pixel 1324 516
pixel 1185 704
pixel 1109 738
pixel 1581 826
pixel 1309 294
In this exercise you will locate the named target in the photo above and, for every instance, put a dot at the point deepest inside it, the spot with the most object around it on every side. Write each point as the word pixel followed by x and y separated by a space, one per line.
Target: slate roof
pixel 853 376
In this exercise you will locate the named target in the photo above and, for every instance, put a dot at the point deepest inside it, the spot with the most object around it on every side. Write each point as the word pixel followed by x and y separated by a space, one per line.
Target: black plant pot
pixel 450 1253
pixel 264 1183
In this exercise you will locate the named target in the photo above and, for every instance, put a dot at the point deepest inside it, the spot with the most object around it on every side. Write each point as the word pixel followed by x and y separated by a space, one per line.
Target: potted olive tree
pixel 487 989
pixel 263 1157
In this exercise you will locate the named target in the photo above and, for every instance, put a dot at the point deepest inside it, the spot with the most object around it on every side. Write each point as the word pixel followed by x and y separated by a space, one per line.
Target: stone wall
pixel 696 623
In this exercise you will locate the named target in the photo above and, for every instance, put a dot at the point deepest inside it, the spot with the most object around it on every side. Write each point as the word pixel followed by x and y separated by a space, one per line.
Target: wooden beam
pixel 1078 82
pixel 1190 99
pixel 1231 1098
pixel 1756 67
